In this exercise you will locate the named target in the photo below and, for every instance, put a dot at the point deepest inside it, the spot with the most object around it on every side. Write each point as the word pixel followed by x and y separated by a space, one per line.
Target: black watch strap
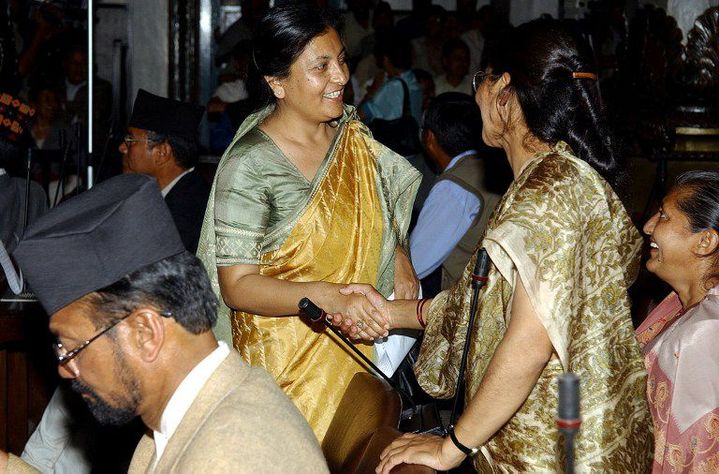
pixel 466 450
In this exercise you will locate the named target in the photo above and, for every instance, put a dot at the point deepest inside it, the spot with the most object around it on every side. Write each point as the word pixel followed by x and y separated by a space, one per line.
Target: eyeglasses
pixel 66 358
pixel 479 78
pixel 129 140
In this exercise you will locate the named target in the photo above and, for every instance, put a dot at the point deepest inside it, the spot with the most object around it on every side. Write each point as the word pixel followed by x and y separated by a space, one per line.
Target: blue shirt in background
pixel 387 102
pixel 445 217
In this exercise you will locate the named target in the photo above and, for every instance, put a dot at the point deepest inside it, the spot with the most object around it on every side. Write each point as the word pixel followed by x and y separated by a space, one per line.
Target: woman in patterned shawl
pixel 304 201
pixel 679 338
pixel 563 252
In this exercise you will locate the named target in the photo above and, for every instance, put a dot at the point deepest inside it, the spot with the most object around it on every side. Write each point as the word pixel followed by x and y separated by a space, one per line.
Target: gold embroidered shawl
pixel 563 231
pixel 343 227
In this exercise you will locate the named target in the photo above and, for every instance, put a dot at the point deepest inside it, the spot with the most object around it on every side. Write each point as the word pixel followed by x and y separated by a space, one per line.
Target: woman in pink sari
pixel 680 338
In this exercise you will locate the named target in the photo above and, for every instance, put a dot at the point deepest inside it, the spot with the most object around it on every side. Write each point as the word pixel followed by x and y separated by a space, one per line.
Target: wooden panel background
pixel 27 372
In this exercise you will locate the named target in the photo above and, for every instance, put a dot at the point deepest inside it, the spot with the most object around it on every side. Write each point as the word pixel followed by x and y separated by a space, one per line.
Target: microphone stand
pixel 316 314
pixel 90 93
pixel 26 211
pixel 78 158
pixel 479 278
pixel 65 156
pixel 110 136
pixel 568 419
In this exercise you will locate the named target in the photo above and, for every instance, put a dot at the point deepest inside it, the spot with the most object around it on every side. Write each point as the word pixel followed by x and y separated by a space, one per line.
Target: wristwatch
pixel 471 452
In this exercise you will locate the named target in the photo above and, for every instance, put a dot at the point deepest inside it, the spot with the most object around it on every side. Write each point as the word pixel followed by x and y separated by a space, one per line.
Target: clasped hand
pixel 365 316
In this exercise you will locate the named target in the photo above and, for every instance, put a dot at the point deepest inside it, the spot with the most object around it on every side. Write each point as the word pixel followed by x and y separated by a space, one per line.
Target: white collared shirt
pixel 2 171
pixel 72 89
pixel 166 190
pixel 184 395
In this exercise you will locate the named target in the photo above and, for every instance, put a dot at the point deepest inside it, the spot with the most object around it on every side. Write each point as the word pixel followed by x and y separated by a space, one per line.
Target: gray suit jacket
pixel 12 208
pixel 240 422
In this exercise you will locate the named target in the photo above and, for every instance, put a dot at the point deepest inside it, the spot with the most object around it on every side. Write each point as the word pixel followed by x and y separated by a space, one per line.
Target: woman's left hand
pixel 406 284
pixel 422 449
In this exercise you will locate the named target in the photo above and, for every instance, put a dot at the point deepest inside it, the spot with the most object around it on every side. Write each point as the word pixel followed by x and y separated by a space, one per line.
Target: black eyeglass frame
pixel 128 140
pixel 479 78
pixel 64 358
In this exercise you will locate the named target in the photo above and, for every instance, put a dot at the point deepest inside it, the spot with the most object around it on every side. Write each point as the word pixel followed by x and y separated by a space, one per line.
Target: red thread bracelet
pixel 420 319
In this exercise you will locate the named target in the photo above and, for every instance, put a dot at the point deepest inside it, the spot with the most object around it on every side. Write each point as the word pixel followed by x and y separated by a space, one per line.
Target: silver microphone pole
pixel 90 98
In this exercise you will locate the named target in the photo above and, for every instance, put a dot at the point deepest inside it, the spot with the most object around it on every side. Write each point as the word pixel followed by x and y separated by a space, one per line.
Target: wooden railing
pixel 28 372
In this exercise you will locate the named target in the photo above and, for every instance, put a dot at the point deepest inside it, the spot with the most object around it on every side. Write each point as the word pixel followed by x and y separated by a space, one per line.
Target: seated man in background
pixel 230 105
pixel 20 200
pixel 161 142
pixel 385 96
pixel 133 319
pixel 455 63
pixel 13 204
pixel 459 204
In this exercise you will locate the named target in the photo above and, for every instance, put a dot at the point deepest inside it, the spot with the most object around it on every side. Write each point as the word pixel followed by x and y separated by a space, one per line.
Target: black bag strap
pixel 406 112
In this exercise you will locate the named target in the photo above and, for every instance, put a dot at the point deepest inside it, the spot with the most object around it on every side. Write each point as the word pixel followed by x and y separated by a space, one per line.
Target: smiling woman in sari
pixel 304 201
pixel 679 338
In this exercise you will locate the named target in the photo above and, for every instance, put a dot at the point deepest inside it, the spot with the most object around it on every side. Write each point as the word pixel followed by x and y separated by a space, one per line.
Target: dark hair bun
pixel 541 57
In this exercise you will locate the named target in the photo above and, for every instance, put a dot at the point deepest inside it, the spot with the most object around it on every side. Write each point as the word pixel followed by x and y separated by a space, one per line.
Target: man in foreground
pixel 133 318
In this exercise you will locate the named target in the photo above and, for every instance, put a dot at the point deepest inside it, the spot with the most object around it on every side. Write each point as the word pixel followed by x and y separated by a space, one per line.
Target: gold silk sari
pixel 341 227
pixel 338 239
pixel 563 231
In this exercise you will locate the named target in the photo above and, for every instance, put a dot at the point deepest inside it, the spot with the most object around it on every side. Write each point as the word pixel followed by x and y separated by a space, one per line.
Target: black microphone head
pixel 483 262
pixel 311 310
pixel 568 408
pixel 481 269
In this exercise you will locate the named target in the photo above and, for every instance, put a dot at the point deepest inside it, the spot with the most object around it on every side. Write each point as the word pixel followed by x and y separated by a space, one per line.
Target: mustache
pixel 83 389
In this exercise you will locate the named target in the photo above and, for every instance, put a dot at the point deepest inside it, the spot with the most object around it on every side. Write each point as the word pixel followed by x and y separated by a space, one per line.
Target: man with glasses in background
pixel 161 142
pixel 132 313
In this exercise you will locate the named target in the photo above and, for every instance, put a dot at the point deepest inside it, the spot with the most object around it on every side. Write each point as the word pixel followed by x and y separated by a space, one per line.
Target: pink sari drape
pixel 681 352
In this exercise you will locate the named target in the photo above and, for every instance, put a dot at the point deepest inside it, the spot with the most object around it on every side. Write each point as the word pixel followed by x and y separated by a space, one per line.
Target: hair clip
pixel 584 75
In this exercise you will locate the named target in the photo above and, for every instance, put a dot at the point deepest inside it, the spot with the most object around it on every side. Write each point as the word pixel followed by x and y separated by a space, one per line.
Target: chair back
pixel 380 440
pixel 367 405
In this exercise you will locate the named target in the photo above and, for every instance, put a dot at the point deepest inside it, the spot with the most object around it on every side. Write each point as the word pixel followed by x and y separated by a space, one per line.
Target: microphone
pixel 481 269
pixel 568 419
pixel 317 314
pixel 314 312
pixel 568 413
pixel 479 278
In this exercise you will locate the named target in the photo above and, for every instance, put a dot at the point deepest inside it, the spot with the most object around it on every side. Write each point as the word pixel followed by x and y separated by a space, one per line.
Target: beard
pixel 125 407
pixel 103 412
